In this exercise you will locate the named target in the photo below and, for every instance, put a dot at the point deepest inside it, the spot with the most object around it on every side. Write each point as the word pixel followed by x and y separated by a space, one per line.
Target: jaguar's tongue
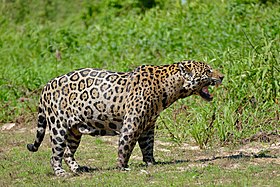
pixel 206 94
pixel 205 90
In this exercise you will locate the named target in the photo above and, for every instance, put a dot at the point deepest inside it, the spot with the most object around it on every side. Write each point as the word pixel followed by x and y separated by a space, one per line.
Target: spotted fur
pixel 104 103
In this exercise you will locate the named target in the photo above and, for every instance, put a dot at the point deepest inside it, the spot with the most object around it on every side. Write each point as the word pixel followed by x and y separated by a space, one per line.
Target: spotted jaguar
pixel 104 103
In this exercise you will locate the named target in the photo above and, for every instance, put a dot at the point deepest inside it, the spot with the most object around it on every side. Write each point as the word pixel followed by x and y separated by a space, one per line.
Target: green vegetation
pixel 183 166
pixel 40 40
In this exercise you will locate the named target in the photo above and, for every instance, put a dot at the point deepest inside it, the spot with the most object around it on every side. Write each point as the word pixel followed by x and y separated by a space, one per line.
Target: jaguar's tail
pixel 41 129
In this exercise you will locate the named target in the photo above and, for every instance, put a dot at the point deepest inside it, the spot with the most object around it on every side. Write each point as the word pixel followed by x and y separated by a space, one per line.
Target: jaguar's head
pixel 198 76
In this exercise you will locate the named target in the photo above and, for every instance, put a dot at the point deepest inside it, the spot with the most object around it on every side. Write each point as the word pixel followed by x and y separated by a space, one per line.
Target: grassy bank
pixel 43 39
pixel 241 38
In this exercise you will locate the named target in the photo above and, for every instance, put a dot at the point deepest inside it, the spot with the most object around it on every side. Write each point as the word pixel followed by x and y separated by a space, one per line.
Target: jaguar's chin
pixel 205 94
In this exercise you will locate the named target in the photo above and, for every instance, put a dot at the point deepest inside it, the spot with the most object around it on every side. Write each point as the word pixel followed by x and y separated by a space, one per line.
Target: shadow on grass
pixel 233 157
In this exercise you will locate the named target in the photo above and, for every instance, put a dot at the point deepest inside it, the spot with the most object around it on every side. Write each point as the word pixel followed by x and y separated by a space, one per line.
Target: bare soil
pixel 261 148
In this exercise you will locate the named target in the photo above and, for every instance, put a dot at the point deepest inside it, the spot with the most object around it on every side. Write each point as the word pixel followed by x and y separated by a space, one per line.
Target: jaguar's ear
pixel 185 71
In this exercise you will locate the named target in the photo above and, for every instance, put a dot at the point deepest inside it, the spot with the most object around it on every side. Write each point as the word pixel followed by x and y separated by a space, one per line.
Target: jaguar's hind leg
pixel 58 146
pixel 72 143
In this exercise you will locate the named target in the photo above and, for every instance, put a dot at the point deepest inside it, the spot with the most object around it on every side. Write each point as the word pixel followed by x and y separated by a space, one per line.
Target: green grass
pixel 40 40
pixel 22 168
pixel 241 38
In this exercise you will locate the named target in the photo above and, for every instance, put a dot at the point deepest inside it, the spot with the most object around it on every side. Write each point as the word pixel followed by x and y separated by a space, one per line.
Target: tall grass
pixel 43 39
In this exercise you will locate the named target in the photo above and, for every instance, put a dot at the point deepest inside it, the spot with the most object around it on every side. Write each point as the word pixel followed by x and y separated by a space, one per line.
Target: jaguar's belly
pixel 101 128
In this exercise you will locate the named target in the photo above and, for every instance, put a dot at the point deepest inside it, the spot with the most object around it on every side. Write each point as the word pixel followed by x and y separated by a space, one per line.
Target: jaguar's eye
pixel 209 71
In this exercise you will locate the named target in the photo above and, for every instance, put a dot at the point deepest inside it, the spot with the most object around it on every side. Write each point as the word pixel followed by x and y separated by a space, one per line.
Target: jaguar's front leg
pixel 130 133
pixel 146 143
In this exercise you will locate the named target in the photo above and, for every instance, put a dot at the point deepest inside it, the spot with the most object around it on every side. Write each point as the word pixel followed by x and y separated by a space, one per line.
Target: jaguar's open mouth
pixel 205 94
pixel 215 81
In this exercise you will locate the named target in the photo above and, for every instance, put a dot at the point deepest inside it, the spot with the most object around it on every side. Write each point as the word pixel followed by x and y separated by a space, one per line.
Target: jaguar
pixel 98 102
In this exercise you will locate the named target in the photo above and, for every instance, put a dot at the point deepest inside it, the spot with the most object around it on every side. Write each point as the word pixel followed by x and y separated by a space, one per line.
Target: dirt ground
pixel 259 149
